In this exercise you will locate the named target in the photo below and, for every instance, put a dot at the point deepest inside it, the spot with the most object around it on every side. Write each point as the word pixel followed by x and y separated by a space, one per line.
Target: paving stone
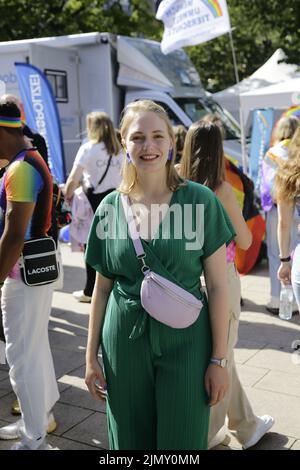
pixel 281 382
pixel 76 396
pixel 277 360
pixel 69 342
pixel 296 445
pixel 284 408
pixel 246 349
pixel 68 416
pixel 69 444
pixel 67 361
pixel 92 431
pixel 249 376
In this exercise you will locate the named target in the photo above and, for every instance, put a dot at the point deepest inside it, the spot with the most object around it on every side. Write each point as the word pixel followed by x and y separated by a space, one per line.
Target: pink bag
pixel 162 299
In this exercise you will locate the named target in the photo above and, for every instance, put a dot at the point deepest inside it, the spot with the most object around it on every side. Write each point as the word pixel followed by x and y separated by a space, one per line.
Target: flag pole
pixel 237 79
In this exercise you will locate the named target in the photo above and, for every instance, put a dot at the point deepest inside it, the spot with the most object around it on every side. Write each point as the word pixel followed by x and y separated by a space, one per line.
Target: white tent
pixel 273 71
pixel 280 96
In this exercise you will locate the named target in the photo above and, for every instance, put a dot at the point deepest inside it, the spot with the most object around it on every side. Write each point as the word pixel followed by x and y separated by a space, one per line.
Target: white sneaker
pixel 220 438
pixel 12 431
pixel 263 426
pixel 81 297
pixel 15 430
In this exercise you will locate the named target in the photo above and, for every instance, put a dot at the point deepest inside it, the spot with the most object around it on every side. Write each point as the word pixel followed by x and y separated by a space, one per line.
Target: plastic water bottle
pixel 286 302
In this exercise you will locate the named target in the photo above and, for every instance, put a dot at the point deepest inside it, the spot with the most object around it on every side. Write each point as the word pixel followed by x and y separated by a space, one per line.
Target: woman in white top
pixel 98 162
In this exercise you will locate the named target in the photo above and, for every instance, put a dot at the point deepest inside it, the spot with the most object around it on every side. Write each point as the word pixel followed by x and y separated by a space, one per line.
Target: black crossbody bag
pixel 38 262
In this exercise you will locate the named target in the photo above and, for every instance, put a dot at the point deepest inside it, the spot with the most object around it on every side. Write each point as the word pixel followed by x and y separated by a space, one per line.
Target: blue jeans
pixel 273 248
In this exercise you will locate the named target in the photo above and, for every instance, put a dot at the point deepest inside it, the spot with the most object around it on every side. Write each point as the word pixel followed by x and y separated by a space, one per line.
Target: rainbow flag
pixel 214 7
pixel 293 111
pixel 243 188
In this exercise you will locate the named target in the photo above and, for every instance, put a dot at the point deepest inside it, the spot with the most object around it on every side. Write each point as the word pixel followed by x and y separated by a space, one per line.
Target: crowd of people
pixel 165 387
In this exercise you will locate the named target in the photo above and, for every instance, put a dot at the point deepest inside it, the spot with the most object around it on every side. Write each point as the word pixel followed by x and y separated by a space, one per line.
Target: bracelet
pixel 285 260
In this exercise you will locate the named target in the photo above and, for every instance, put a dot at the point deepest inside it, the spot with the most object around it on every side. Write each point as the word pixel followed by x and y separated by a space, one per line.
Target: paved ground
pixel 263 355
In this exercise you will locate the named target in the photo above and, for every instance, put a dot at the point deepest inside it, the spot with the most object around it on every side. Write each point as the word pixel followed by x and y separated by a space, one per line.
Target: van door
pixel 61 69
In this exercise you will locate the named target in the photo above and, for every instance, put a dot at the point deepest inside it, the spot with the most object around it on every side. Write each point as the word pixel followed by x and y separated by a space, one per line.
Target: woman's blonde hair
pixel 287 182
pixel 203 157
pixel 286 127
pixel 129 174
pixel 100 129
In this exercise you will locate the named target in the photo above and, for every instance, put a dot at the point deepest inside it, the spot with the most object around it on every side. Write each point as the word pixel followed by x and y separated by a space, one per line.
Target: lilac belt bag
pixel 162 299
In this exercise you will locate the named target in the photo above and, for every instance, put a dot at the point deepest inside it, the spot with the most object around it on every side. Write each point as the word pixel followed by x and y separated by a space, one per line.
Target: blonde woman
pixel 203 162
pixel 275 156
pixel 98 162
pixel 160 381
pixel 288 198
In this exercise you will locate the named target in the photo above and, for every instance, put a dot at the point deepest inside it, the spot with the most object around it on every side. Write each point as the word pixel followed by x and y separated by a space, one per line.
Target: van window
pixel 59 84
pixel 197 108
pixel 175 121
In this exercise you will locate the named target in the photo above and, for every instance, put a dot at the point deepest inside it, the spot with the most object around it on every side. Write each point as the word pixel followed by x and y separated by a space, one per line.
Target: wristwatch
pixel 219 362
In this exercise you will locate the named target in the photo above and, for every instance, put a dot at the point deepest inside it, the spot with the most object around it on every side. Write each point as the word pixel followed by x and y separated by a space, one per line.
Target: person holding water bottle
pixel 288 197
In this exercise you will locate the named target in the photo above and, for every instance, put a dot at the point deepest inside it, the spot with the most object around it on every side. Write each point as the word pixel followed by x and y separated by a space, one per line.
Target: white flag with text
pixel 190 22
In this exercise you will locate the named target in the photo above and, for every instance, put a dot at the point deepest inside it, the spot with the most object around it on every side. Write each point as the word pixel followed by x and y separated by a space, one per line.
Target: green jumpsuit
pixel 155 374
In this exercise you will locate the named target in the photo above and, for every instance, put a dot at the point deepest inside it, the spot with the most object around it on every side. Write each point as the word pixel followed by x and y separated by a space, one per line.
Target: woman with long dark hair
pixel 203 162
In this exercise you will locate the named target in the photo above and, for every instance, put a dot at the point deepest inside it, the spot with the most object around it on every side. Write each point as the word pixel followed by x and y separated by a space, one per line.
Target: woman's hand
pixel 95 381
pixel 284 272
pixel 216 383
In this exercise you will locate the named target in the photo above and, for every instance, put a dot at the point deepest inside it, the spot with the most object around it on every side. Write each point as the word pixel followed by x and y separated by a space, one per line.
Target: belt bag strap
pixel 138 247
pixel 162 299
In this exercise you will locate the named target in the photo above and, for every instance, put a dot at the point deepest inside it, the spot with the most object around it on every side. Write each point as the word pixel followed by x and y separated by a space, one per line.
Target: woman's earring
pixel 170 154
pixel 128 157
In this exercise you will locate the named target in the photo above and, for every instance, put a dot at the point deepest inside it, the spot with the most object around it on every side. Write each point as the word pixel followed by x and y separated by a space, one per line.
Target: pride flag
pixel 293 111
pixel 190 22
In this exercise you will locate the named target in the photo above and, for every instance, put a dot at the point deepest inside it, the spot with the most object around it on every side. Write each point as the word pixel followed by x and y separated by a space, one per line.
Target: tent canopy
pixel 273 71
pixel 279 96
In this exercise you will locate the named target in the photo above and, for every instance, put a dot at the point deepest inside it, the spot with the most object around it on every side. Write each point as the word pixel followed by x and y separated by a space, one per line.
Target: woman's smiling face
pixel 148 142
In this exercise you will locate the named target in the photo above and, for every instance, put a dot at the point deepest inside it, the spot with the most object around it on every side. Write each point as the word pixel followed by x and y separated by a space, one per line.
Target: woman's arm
pixel 243 235
pixel 215 272
pixel 285 222
pixel 94 374
pixel 73 181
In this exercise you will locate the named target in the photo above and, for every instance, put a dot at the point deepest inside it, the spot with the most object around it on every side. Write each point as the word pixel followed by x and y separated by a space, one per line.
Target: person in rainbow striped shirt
pixel 25 213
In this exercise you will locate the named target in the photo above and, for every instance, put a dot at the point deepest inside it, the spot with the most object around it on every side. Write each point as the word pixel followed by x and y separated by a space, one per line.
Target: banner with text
pixel 190 22
pixel 42 114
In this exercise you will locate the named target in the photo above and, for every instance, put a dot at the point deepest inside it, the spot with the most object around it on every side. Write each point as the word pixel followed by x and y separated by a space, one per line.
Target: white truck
pixel 101 71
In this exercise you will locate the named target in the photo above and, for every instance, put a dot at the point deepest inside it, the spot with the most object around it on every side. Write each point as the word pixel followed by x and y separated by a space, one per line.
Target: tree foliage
pixel 260 27
pixel 24 19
